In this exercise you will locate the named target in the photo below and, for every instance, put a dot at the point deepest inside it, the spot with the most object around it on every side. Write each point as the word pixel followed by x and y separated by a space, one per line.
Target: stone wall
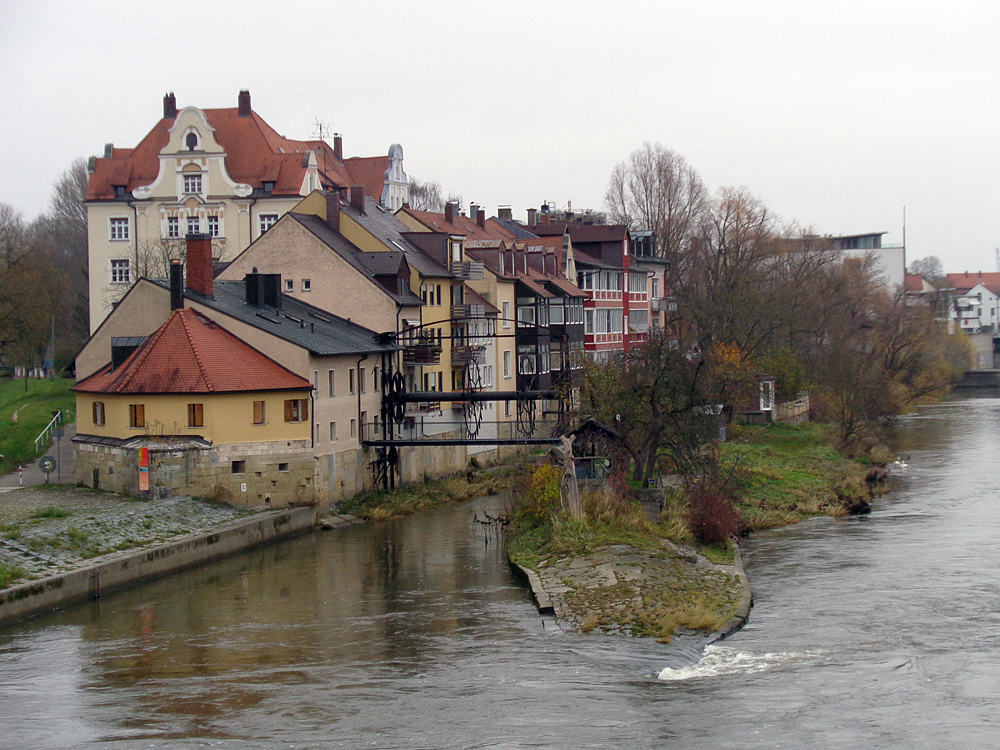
pixel 271 474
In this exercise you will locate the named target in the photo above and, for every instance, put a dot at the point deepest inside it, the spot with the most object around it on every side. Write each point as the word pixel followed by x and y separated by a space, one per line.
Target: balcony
pixel 663 304
pixel 469 270
pixel 463 312
pixel 422 353
pixel 463 355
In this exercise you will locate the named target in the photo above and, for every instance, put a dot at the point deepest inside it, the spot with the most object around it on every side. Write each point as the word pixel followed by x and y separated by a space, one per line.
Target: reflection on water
pixel 879 632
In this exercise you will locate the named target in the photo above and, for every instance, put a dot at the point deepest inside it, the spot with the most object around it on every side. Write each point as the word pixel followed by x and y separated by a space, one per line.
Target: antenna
pixel 322 130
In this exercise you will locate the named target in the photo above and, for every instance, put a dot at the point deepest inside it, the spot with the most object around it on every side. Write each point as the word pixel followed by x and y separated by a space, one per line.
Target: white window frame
pixel 119 271
pixel 506 313
pixel 118 229
pixel 306 285
pixel 192 183
pixel 289 285
pixel 214 226
pixel 193 225
pixel 173 228
pixel 266 221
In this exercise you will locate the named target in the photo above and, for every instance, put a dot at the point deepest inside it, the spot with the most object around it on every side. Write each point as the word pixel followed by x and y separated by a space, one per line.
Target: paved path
pixel 32 476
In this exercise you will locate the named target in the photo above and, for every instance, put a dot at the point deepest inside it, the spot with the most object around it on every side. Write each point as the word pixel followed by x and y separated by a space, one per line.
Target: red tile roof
pixel 462 225
pixel 963 282
pixel 192 354
pixel 255 153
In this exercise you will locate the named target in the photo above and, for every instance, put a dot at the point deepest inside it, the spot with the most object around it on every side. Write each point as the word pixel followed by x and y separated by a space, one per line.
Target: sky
pixel 842 117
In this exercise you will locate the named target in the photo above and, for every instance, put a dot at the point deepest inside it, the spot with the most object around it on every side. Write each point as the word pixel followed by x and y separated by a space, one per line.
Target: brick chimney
pixel 481 218
pixel 358 198
pixel 169 106
pixel 333 210
pixel 244 103
pixel 199 265
pixel 449 213
pixel 338 147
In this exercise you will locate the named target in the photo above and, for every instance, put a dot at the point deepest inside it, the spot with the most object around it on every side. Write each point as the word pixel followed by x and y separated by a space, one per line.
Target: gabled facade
pixel 221 172
pixel 175 415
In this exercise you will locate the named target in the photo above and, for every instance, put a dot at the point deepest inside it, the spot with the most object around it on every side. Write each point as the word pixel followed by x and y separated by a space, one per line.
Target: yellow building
pixel 214 415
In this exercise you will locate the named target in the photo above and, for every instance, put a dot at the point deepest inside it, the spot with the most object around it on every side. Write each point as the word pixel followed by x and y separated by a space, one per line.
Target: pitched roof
pixel 963 282
pixel 190 353
pixel 320 332
pixel 461 225
pixel 391 232
pixel 255 153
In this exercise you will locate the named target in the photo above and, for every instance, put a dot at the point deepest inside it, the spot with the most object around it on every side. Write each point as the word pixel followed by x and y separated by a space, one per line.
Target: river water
pixel 873 632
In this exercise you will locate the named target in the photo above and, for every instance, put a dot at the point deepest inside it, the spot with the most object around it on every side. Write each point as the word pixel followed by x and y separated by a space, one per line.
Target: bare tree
pixel 656 189
pixel 426 196
pixel 931 269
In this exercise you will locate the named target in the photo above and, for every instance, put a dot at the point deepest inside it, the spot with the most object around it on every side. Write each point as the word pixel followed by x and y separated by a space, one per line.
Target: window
pixel 173 227
pixel 283 467
pixel 506 363
pixel 136 415
pixel 316 380
pixel 354 428
pixel 213 226
pixel 258 412
pixel 350 381
pixel 333 390
pixel 525 314
pixel 192 183
pixel 289 285
pixel 333 431
pixel 296 410
pixel 306 285
pixel 238 467
pixel 119 229
pixel 506 314
pixel 267 221
pixel 196 415
pixel 120 271
pixel 98 408
pixel 194 225
pixel 375 379
pixel 361 380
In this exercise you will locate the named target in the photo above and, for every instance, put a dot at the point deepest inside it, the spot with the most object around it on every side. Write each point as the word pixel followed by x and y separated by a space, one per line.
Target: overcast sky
pixel 837 115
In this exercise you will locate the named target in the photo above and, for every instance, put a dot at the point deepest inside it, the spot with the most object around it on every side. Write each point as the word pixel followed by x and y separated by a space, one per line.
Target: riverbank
pixel 619 571
pixel 62 544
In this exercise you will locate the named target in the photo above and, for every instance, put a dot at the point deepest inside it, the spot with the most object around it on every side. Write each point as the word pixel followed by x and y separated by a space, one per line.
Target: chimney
pixel 109 150
pixel 532 217
pixel 176 285
pixel 333 210
pixel 504 213
pixel 473 211
pixel 169 106
pixel 244 103
pixel 199 265
pixel 481 218
pixel 545 218
pixel 338 147
pixel 449 213
pixel 358 198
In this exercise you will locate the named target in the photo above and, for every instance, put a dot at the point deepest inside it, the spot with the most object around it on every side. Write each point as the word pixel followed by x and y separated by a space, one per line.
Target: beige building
pixel 221 172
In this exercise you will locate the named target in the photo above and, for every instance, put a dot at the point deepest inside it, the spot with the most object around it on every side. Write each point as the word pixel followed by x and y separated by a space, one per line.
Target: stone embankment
pixel 622 590
pixel 69 544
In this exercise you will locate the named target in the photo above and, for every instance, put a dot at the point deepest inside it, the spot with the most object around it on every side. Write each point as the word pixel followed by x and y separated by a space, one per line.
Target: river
pixel 877 632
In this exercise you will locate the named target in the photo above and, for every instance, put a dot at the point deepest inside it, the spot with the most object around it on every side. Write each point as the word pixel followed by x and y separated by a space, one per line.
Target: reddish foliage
pixel 712 517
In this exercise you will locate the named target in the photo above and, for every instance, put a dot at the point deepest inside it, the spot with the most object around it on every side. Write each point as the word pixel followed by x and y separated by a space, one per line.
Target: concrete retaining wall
pixel 126 569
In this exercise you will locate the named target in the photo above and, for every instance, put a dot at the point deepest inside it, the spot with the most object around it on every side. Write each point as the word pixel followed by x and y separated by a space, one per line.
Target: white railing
pixel 47 432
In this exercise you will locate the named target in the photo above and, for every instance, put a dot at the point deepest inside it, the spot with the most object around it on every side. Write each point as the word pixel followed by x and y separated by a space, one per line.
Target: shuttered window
pixel 258 412
pixel 296 410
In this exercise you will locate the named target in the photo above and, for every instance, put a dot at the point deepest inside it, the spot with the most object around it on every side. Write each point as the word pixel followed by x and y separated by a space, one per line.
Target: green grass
pixel 34 408
pixel 786 474
pixel 49 511
pixel 9 574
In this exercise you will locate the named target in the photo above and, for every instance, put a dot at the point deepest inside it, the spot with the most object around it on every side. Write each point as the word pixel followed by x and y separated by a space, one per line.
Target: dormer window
pixel 191 141
pixel 192 184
